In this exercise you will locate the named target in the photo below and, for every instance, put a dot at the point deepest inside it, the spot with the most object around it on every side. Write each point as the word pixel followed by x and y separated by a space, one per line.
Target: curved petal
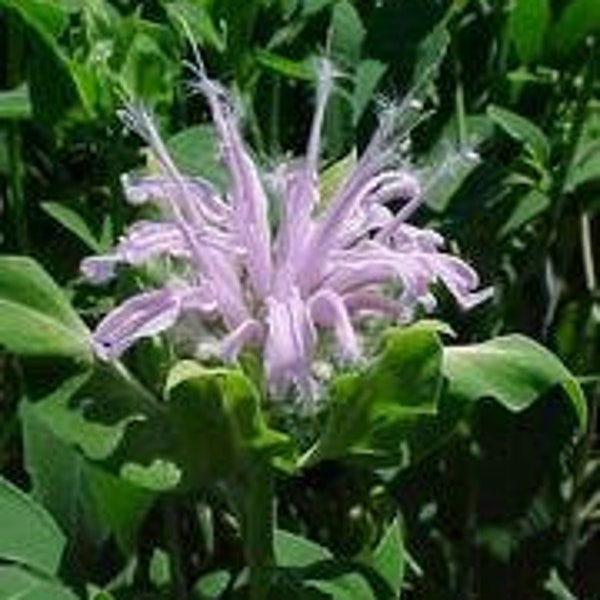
pixel 327 308
pixel 141 316
pixel 249 332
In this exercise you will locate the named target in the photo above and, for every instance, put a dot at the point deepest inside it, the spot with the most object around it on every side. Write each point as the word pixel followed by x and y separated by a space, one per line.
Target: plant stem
pixel 255 498
pixel 173 541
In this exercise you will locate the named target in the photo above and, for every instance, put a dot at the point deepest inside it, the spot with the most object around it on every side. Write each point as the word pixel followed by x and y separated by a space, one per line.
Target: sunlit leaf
pixel 523 130
pixel 528 24
pixel 35 317
pixel 29 535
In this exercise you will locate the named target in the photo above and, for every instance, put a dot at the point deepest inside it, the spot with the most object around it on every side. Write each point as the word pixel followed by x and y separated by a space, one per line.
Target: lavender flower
pixel 278 288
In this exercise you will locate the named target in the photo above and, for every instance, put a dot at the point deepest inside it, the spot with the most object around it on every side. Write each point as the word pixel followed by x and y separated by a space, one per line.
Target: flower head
pixel 277 288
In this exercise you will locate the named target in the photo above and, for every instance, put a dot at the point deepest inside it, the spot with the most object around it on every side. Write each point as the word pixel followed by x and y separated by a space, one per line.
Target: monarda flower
pixel 278 287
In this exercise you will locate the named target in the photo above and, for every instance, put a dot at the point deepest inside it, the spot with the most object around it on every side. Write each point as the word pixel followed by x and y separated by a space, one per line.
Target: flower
pixel 278 287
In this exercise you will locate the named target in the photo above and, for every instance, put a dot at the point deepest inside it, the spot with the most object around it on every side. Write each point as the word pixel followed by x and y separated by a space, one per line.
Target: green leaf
pixel 195 150
pixel 149 71
pixel 98 435
pixel 431 53
pixel 388 559
pixel 29 535
pixel 528 23
pixel 50 18
pixel 333 177
pixel 59 476
pixel 212 585
pixel 87 502
pixel 579 19
pixel 370 410
pixel 158 476
pixel 73 222
pixel 18 584
pixel 514 370
pixel 160 568
pixel 301 70
pixel 35 317
pixel 585 167
pixel 523 130
pixel 15 105
pixel 347 34
pixel 295 551
pixel 200 21
pixel 217 409
pixel 530 206
pixel 369 73
pixel 448 165
pixel 121 505
pixel 308 570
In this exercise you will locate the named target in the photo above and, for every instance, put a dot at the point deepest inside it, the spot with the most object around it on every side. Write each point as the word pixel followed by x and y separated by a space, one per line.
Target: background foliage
pixel 509 506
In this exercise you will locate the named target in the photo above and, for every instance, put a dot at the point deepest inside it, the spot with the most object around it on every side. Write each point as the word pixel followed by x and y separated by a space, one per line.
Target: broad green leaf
pixel 35 317
pixel 528 25
pixel 88 502
pixel 60 482
pixel 52 86
pixel 98 435
pixel 121 505
pixel 448 165
pixel 369 73
pixel 388 559
pixel 523 130
pixel 212 585
pixel 514 370
pixel 294 551
pixel 310 570
pixel 347 34
pixel 73 222
pixel 148 71
pixel 15 104
pixel 370 410
pixel 431 53
pixel 530 206
pixel 578 19
pixel 195 150
pixel 215 415
pixel 49 18
pixel 29 535
pixel 17 583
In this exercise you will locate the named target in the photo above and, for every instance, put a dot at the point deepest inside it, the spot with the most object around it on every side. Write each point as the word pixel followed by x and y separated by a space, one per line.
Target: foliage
pixel 456 462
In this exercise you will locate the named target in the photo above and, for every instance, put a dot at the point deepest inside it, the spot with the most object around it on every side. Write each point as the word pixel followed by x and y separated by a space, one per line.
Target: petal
pixel 249 200
pixel 290 342
pixel 249 332
pixel 148 239
pixel 327 308
pixel 141 316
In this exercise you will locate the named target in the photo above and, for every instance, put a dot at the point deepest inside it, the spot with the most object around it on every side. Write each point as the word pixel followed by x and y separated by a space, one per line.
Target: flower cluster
pixel 276 287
